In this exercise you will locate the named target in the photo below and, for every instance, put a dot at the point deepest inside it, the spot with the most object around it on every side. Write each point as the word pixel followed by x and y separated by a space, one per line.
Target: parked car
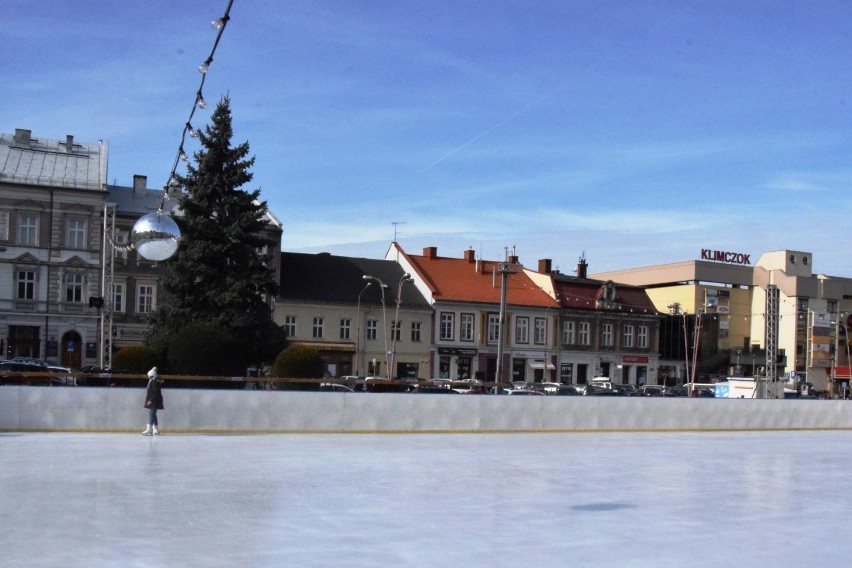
pixel 524 392
pixel 674 391
pixel 334 387
pixel 627 390
pixel 9 372
pixel 593 390
pixel 433 389
pixel 652 390
pixel 567 390
pixel 61 375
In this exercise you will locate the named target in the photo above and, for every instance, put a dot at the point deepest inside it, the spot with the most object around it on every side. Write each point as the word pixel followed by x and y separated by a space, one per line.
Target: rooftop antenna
pixel 396 225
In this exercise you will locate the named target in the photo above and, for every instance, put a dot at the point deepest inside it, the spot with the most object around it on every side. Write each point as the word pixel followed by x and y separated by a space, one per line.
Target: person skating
pixel 153 401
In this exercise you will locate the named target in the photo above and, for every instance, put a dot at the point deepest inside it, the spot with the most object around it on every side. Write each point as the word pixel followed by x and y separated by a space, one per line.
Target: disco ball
pixel 155 236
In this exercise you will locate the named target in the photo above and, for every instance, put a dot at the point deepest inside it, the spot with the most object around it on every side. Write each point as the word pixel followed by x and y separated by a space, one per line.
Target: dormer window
pixel 607 298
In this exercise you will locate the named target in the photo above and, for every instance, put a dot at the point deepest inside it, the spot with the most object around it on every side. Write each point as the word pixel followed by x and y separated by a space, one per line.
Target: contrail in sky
pixel 522 110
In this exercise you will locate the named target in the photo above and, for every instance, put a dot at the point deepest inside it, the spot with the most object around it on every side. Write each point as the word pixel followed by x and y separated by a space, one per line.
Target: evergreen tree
pixel 219 275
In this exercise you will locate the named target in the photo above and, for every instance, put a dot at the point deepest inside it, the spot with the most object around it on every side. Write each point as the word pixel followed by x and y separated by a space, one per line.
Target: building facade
pixel 51 197
pixel 555 328
pixel 363 315
pixel 728 301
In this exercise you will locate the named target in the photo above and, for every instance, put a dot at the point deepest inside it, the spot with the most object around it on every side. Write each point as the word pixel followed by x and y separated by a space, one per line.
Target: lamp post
pixel 836 359
pixel 545 370
pixel 358 332
pixel 406 278
pixel 383 286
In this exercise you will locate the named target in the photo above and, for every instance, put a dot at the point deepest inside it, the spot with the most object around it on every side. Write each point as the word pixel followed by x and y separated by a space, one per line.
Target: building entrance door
pixel 71 352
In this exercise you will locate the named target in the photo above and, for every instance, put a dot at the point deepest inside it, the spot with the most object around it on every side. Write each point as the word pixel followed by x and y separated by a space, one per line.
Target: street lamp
pixel 545 370
pixel 837 325
pixel 406 278
pixel 358 332
pixel 383 286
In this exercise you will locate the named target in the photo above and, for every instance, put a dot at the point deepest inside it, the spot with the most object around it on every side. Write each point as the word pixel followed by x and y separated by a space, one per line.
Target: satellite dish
pixel 155 236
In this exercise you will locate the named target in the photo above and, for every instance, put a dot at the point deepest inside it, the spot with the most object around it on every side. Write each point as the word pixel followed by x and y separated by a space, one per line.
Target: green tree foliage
pixel 298 362
pixel 219 274
pixel 205 349
pixel 134 359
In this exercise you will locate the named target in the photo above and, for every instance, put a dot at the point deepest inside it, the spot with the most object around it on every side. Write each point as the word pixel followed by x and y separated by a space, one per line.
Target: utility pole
pixel 504 271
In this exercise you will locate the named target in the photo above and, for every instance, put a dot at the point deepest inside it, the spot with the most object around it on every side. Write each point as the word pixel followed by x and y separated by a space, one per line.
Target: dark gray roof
pixel 340 279
pixel 41 161
pixel 129 203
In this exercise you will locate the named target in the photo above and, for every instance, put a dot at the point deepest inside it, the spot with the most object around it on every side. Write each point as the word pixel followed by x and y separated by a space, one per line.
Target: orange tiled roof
pixel 468 280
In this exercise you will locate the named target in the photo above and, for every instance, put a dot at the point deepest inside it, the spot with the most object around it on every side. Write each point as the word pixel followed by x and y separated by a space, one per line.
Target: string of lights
pixel 155 236
pixel 198 102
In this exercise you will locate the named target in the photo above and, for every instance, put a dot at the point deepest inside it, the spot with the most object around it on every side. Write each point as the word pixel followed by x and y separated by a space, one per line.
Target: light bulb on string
pixel 200 101
pixel 183 155
pixel 205 66
pixel 191 130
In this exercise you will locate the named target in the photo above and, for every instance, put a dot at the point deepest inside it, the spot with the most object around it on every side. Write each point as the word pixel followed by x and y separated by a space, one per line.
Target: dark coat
pixel 154 394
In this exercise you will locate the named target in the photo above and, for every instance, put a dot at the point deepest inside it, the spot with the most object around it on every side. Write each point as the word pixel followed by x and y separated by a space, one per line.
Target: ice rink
pixel 604 499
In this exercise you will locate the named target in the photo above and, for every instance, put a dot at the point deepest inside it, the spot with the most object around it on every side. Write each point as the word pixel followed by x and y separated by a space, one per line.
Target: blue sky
pixel 635 133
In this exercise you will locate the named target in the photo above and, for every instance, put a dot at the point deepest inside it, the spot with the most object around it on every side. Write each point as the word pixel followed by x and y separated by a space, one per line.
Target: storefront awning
pixel 540 365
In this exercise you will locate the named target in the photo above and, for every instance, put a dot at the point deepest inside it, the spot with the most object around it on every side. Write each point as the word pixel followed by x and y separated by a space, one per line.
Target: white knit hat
pixel 153 372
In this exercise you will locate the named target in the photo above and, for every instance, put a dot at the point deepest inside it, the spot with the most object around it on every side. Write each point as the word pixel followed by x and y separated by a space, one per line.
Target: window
pixel 831 306
pixel 120 240
pixel 568 332
pixel 643 336
pixel 74 288
pixel 144 298
pixel 584 333
pixel 317 330
pixel 628 335
pixel 118 297
pixel 540 331
pixel 606 335
pixel 493 328
pixel 76 234
pixel 372 329
pixel 447 325
pixel 396 328
pixel 4 225
pixel 28 230
pixel 26 285
pixel 290 326
pixel 466 332
pixel 415 331
pixel 345 327
pixel 522 330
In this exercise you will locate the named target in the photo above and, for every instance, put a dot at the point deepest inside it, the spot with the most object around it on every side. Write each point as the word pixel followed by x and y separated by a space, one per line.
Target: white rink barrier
pixel 24 408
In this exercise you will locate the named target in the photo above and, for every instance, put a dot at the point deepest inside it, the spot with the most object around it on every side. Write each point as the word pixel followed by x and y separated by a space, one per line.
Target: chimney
pixel 470 255
pixel 513 259
pixel 544 266
pixel 140 184
pixel 430 252
pixel 581 267
pixel 23 136
pixel 69 143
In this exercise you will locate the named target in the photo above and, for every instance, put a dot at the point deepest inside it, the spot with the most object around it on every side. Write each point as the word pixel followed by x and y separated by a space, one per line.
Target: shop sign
pixel 724 256
pixel 635 359
pixel 456 351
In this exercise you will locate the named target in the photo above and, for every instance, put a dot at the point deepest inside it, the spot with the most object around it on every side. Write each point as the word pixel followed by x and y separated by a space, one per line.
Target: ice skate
pixel 148 431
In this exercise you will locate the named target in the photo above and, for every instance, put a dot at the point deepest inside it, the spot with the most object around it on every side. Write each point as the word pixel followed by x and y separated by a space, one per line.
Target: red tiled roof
pixel 468 280
pixel 581 293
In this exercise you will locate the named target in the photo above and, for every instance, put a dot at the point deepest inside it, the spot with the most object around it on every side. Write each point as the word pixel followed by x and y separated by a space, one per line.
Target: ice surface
pixel 615 499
